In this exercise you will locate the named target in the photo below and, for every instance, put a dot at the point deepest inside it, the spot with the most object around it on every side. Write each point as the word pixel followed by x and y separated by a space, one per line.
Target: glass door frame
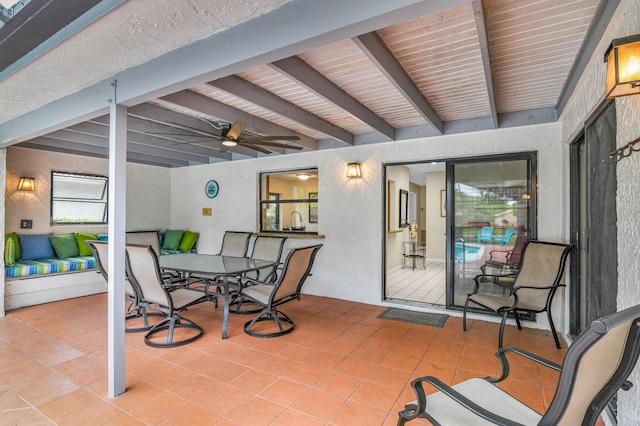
pixel 532 210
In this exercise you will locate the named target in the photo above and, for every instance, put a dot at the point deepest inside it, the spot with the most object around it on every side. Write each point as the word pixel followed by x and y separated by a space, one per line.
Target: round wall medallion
pixel 211 189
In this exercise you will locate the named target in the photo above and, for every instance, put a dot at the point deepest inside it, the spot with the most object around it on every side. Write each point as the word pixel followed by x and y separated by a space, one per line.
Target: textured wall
pixel 148 200
pixel 351 210
pixel 586 98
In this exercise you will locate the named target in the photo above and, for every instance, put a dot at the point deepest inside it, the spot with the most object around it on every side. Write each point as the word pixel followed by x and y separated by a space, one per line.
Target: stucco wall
pixel 349 266
pixel 147 201
pixel 587 96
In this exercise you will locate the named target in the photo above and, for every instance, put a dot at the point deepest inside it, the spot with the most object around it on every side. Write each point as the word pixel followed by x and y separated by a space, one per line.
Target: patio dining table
pixel 214 266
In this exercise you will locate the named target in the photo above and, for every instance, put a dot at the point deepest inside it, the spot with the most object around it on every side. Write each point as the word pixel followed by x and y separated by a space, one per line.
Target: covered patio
pixel 341 366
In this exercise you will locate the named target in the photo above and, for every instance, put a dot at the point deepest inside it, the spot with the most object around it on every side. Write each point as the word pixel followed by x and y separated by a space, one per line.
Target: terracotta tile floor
pixel 340 366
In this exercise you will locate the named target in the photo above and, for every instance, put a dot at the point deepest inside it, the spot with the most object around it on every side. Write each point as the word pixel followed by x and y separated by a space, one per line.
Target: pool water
pixel 472 252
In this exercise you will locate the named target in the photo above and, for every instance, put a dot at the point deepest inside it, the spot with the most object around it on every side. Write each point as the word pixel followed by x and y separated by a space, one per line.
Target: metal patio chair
pixel 531 291
pixel 595 367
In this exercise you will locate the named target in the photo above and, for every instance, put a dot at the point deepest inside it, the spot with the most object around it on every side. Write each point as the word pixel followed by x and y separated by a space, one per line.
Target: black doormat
pixel 422 318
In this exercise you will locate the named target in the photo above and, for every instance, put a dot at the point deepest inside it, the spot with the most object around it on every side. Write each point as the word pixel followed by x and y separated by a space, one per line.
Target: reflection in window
pixel 78 198
pixel 289 201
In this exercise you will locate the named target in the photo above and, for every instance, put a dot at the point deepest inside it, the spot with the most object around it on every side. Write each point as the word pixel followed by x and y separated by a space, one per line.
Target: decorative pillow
pixel 188 240
pixel 103 237
pixel 35 246
pixel 83 248
pixel 9 252
pixel 172 239
pixel 65 245
pixel 16 243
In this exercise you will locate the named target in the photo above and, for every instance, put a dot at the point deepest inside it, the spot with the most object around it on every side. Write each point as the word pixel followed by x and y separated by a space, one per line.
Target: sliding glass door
pixel 491 206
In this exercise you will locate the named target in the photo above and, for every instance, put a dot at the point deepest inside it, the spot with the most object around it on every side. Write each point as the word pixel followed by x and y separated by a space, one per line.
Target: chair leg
pixel 517 317
pixel 553 329
pixel 270 315
pixel 170 324
pixel 502 324
pixel 464 315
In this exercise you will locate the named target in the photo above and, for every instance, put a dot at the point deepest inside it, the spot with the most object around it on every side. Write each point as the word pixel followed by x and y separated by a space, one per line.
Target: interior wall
pixel 396 235
pixel 585 99
pixel 436 224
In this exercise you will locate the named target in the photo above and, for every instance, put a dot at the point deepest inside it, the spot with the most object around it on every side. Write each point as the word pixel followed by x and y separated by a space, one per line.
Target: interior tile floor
pixel 340 366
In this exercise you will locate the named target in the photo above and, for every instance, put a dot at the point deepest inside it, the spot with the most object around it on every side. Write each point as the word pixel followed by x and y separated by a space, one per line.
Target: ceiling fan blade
pixel 274 144
pixel 235 130
pixel 255 147
pixel 271 138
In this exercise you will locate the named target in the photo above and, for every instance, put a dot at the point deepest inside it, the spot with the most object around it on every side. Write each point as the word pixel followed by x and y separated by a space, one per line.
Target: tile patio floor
pixel 340 366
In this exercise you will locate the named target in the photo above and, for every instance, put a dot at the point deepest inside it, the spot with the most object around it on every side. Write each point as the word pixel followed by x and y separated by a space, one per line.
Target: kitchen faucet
pixel 291 219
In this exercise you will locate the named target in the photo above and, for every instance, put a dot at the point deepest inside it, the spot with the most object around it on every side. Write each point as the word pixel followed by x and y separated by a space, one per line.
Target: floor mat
pixel 423 318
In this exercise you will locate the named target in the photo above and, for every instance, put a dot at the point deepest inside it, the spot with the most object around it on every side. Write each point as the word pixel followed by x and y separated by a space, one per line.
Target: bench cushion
pixel 25 268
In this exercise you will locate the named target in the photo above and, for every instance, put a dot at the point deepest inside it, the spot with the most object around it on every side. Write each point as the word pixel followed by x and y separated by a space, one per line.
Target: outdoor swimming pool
pixel 471 253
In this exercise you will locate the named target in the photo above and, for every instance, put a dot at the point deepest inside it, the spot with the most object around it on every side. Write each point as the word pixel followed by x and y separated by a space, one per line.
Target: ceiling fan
pixel 231 136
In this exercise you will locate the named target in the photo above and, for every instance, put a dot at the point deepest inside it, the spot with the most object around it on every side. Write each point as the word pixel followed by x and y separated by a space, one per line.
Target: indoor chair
pixel 137 308
pixel 595 367
pixel 143 270
pixel 532 289
pixel 295 270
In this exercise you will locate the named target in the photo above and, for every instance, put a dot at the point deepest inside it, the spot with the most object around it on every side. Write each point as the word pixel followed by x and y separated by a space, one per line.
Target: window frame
pixel 312 200
pixel 103 199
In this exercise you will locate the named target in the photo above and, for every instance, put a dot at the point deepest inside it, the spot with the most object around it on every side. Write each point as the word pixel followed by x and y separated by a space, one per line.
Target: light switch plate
pixel 206 211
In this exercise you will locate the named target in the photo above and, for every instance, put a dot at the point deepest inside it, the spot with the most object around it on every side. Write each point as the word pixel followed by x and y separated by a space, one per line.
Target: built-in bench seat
pixel 25 268
pixel 43 280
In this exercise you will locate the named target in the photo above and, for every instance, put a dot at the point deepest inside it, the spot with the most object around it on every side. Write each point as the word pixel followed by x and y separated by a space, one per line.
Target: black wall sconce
pixel 623 67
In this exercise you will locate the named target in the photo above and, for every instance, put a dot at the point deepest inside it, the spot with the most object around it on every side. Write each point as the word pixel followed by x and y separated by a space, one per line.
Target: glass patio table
pixel 214 265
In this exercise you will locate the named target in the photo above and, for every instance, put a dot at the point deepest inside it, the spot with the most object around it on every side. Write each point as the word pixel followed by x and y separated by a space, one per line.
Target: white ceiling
pixel 333 73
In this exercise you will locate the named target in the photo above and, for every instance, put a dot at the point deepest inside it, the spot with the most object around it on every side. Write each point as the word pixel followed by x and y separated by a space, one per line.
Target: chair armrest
pixel 501 354
pixel 413 411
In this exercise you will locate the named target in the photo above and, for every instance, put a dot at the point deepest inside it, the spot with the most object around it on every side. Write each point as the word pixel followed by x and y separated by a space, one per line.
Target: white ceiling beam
pixel 379 54
pixel 305 75
pixel 214 108
pixel 289 30
pixel 92 140
pixel 483 40
pixel 261 97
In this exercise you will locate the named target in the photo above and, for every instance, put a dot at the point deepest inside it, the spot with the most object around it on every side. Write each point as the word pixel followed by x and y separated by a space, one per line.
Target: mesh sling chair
pixel 137 309
pixel 595 367
pixel 533 289
pixel 265 248
pixel 143 270
pixel 295 270
pixel 235 243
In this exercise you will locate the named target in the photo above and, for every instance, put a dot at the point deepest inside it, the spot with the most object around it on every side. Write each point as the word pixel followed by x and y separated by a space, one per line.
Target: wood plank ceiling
pixel 479 65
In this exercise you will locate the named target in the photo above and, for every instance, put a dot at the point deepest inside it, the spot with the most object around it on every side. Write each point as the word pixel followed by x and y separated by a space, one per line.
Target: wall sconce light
pixel 354 170
pixel 27 184
pixel 623 67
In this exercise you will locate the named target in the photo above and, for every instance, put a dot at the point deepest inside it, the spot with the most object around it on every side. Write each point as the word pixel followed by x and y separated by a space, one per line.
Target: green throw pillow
pixel 16 243
pixel 9 252
pixel 65 245
pixel 188 240
pixel 83 248
pixel 172 239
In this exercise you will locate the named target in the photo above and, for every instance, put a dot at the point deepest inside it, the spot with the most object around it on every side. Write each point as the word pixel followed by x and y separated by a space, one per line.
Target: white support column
pixel 117 235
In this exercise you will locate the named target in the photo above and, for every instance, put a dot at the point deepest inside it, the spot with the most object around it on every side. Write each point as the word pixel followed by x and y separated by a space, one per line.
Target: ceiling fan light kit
pixel 229 143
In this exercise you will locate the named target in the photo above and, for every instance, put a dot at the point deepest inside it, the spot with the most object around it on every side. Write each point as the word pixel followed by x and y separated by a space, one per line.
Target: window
pixel 78 198
pixel 289 201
